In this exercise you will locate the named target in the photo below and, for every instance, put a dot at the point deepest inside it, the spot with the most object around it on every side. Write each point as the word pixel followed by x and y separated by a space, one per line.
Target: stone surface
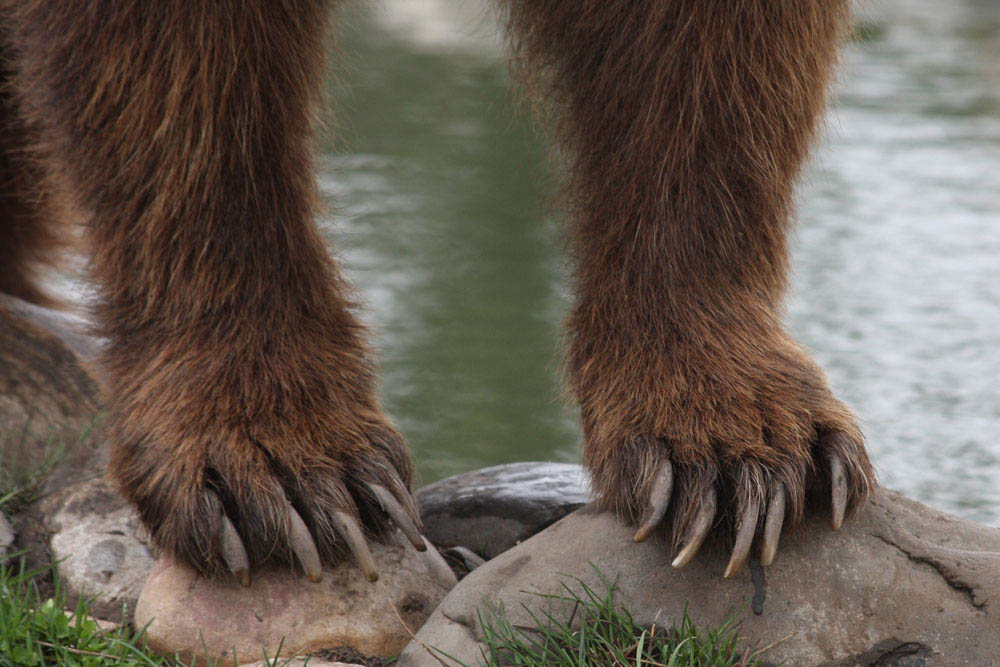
pixel 97 542
pixel 6 534
pixel 901 584
pixel 188 614
pixel 492 509
pixel 102 624
pixel 300 662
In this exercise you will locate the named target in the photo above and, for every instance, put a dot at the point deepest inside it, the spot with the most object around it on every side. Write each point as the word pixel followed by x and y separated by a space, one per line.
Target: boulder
pixel 300 662
pixel 99 547
pixel 6 534
pixel 900 584
pixel 492 509
pixel 194 616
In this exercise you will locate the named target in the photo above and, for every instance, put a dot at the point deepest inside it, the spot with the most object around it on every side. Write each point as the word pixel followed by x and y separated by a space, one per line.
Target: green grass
pixel 37 629
pixel 577 627
pixel 39 633
pixel 580 626
pixel 25 464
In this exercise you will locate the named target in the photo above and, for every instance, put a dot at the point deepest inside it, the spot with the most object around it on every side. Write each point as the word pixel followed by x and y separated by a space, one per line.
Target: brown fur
pixel 29 239
pixel 236 370
pixel 234 362
pixel 685 125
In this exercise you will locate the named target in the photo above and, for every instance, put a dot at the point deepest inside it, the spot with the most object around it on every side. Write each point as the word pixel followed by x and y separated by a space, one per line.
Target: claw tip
pixel 371 576
pixel 734 568
pixel 243 576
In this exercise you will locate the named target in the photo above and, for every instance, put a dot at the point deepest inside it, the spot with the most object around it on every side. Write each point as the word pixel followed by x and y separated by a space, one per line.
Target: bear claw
pixel 773 523
pixel 744 538
pixel 659 498
pixel 838 482
pixel 233 551
pixel 300 540
pixel 349 529
pixel 392 507
pixel 699 529
pixel 303 545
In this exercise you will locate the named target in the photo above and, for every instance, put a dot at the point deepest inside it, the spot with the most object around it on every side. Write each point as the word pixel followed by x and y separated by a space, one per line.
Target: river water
pixel 436 188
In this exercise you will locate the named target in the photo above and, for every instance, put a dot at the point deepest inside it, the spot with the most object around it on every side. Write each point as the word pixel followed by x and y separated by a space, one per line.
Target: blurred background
pixel 437 194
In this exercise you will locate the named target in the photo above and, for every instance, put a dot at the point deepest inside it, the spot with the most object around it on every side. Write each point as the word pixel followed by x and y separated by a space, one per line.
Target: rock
pixel 467 559
pixel 189 614
pixel 97 543
pixel 901 584
pixel 102 624
pixel 302 662
pixel 492 509
pixel 6 534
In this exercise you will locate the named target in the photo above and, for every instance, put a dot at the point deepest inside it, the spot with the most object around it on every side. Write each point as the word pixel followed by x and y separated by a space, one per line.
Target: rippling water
pixel 437 188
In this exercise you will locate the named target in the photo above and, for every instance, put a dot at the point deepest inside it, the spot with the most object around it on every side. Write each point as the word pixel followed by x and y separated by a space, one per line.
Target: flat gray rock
pixel 901 584
pixel 6 534
pixel 99 547
pixel 492 509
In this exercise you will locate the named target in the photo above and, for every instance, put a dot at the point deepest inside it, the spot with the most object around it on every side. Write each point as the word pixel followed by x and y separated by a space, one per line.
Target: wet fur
pixel 236 370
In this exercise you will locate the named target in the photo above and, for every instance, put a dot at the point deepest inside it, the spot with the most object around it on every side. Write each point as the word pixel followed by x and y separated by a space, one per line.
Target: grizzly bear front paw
pixel 233 463
pixel 236 503
pixel 726 432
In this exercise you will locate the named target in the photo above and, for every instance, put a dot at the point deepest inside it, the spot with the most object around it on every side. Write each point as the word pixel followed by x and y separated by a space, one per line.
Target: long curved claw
pixel 233 551
pixel 744 538
pixel 659 500
pixel 399 515
pixel 442 572
pixel 469 558
pixel 838 486
pixel 351 532
pixel 772 525
pixel 400 492
pixel 303 545
pixel 699 529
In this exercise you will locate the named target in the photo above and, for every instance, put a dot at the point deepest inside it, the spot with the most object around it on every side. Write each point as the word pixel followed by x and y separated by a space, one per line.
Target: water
pixel 436 186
